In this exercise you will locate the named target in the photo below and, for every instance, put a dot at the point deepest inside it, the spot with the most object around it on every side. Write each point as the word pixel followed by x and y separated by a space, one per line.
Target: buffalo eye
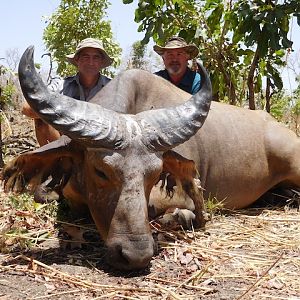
pixel 101 174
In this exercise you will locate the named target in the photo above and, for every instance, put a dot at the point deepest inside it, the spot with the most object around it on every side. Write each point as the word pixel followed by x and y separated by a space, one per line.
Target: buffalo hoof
pixel 178 218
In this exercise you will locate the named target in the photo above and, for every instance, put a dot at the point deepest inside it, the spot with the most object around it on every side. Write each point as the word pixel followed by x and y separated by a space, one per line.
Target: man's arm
pixel 28 111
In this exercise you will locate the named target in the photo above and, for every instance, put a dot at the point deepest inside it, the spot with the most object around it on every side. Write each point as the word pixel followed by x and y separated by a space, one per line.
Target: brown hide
pixel 240 154
pixel 120 159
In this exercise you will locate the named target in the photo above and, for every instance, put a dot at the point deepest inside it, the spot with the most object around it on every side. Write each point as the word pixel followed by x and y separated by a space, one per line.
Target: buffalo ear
pixel 180 167
pixel 30 169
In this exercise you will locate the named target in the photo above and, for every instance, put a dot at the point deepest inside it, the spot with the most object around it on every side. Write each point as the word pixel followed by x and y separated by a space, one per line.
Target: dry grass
pixel 243 255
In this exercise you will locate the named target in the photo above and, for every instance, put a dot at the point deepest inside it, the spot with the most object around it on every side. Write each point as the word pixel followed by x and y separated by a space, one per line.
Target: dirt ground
pixel 249 254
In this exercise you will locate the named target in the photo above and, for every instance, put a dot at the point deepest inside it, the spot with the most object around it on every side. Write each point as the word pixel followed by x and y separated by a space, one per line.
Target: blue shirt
pixel 191 81
pixel 70 86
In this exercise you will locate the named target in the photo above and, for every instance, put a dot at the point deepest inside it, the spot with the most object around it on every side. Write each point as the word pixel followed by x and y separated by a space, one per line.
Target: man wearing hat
pixel 89 58
pixel 176 54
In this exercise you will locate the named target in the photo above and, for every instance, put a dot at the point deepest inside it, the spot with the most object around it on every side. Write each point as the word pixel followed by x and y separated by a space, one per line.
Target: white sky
pixel 22 24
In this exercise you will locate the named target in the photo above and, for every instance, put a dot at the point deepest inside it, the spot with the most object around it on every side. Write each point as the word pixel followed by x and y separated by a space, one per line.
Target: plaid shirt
pixel 70 86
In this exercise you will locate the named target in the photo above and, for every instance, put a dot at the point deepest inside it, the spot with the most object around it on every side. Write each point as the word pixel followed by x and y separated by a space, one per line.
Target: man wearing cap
pixel 176 54
pixel 89 58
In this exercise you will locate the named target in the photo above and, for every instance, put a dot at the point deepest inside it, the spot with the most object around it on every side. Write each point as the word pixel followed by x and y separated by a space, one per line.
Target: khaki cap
pixel 176 42
pixel 90 43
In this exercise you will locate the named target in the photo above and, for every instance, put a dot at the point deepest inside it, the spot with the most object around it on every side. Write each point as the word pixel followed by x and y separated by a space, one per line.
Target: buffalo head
pixel 122 160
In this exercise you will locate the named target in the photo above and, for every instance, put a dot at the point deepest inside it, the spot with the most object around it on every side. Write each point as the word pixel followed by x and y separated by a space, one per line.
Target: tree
pixel 296 106
pixel 264 25
pixel 141 57
pixel 6 93
pixel 73 21
pixel 137 55
pixel 12 58
pixel 241 42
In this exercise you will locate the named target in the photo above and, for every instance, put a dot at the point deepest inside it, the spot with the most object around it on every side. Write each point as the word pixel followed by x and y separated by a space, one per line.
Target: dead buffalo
pixel 120 146
pixel 114 150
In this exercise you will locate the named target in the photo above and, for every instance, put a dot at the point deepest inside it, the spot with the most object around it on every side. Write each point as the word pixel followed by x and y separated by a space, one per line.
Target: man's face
pixel 89 61
pixel 175 61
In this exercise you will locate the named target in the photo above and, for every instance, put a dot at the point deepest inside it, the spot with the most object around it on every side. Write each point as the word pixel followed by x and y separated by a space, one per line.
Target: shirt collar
pixel 100 82
pixel 185 79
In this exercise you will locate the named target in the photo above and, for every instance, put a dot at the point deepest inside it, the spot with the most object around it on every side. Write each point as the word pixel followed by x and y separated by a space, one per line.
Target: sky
pixel 22 24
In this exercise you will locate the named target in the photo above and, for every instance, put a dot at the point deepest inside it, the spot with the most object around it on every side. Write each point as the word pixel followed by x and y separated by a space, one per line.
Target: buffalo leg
pixel 195 192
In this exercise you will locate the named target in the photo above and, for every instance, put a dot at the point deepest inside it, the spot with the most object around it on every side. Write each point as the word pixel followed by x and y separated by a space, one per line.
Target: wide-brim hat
pixel 90 43
pixel 178 43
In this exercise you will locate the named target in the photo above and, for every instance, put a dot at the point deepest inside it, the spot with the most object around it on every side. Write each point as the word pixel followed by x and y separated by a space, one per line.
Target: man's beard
pixel 175 69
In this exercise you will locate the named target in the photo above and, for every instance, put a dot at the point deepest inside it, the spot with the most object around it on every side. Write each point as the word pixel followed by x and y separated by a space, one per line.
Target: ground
pixel 247 254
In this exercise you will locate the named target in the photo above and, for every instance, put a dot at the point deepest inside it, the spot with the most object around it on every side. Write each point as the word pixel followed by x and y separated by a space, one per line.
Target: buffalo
pixel 138 130
pixel 112 154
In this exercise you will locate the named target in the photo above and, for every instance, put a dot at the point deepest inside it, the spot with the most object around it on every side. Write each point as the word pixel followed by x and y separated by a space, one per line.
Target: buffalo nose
pixel 132 255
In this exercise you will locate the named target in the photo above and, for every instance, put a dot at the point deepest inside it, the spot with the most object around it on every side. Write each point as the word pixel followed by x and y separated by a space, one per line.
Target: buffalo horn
pixel 95 126
pixel 88 123
pixel 164 129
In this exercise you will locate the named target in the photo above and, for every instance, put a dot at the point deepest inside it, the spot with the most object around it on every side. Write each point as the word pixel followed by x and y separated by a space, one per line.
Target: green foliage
pixel 8 90
pixel 24 202
pixel 137 57
pixel 161 19
pixel 73 21
pixel 213 206
pixel 26 222
pixel 296 102
pixel 6 95
pixel 285 108
pixel 296 107
pixel 294 113
pixel 264 25
pixel 280 105
pixel 242 43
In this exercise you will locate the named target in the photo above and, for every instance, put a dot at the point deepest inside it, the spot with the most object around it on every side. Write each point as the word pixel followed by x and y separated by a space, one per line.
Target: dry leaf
pixel 275 283
pixel 210 281
pixel 186 258
pixel 50 287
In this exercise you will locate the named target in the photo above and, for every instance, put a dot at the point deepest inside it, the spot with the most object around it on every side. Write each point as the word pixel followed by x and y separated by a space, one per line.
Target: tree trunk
pixel 250 81
pixel 229 83
pixel 268 95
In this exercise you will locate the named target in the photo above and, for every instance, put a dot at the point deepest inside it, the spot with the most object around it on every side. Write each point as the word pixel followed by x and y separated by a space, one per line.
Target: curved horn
pixel 164 129
pixel 96 126
pixel 85 122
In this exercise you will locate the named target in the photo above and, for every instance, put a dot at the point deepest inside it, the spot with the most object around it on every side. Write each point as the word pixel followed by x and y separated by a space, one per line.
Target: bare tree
pixel 140 57
pixel 12 58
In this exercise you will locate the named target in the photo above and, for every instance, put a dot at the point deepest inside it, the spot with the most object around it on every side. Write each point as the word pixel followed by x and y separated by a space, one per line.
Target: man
pixel 89 58
pixel 176 54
